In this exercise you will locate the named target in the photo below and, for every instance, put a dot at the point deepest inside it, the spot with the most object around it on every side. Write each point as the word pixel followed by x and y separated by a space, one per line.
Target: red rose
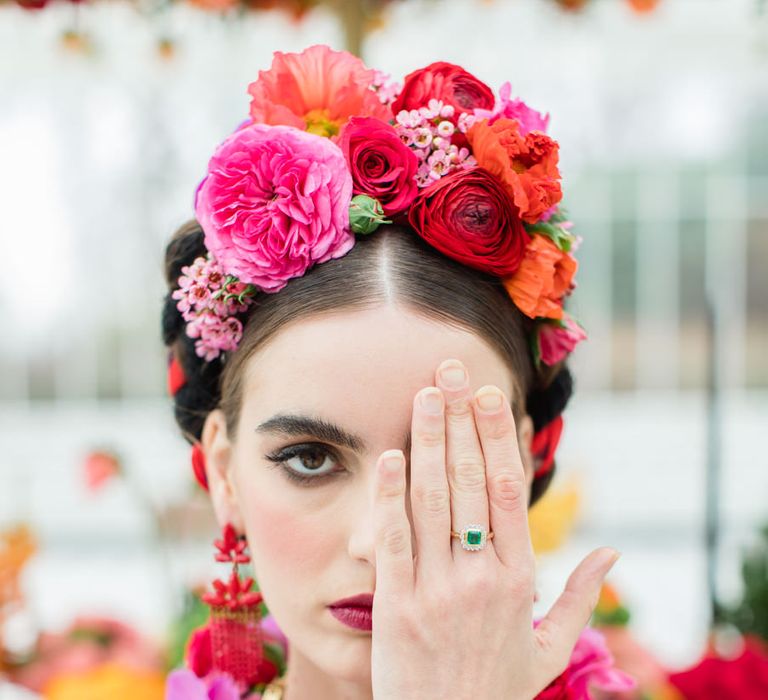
pixel 446 82
pixel 382 166
pixel 468 216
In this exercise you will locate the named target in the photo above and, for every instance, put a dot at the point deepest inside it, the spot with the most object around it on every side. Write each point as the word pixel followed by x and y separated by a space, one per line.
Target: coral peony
pixel 274 203
pixel 382 166
pixel 316 90
pixel 529 119
pixel 544 278
pixel 526 164
pixel 450 84
pixel 558 338
pixel 468 216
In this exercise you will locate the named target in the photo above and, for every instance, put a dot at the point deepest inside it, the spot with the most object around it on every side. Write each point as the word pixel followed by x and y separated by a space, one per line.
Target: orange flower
pixel 111 680
pixel 317 90
pixel 544 277
pixel 527 165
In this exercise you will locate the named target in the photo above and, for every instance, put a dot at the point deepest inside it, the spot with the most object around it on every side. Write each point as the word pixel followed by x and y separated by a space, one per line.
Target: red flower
pixel 382 166
pixel 545 442
pixel 446 82
pixel 199 653
pixel 468 216
pixel 744 677
pixel 558 689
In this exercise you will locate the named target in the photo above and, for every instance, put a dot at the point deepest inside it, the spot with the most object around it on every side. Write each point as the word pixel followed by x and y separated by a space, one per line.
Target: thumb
pixel 559 630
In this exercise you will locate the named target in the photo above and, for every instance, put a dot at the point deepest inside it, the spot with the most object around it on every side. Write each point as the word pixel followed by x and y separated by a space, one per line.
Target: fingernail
pixel 393 461
pixel 453 375
pixel 489 398
pixel 432 400
pixel 609 560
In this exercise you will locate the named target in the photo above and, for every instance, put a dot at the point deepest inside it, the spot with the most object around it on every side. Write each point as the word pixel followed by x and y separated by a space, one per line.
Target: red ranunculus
pixel 446 82
pixel 382 166
pixel 468 216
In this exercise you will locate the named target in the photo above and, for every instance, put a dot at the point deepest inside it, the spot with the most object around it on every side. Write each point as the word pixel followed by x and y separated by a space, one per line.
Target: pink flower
pixel 558 338
pixel 590 666
pixel 316 90
pixel 529 119
pixel 199 654
pixel 99 467
pixel 382 166
pixel 183 684
pixel 275 202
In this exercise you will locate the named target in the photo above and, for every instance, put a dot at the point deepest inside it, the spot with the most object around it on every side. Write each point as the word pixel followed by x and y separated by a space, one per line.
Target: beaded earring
pixel 237 640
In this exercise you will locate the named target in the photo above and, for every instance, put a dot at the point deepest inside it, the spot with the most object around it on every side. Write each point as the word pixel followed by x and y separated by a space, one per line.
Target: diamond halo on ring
pixel 473 537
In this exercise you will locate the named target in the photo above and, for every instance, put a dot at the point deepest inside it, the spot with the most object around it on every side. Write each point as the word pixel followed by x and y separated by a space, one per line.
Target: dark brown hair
pixel 393 264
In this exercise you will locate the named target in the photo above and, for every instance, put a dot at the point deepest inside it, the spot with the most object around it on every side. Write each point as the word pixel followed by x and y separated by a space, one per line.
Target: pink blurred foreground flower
pixel 558 338
pixel 317 90
pixel 529 119
pixel 591 666
pixel 275 202
pixel 183 684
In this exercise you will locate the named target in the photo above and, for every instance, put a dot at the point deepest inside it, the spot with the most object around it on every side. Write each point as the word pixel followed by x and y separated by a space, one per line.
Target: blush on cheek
pixel 284 541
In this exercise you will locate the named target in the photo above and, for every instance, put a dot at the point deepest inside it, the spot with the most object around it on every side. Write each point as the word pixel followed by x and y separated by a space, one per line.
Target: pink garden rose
pixel 529 119
pixel 382 166
pixel 275 201
pixel 557 339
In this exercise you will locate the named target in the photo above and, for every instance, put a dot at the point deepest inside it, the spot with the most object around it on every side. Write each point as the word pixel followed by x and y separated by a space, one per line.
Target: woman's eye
pixel 305 463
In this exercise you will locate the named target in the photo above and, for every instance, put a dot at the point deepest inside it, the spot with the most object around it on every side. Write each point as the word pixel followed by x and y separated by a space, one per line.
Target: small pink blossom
pixel 530 119
pixel 275 201
pixel 559 338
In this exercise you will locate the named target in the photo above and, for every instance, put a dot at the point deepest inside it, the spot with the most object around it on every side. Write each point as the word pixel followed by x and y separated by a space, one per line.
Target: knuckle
pixel 458 408
pixel 480 583
pixel 432 499
pixel 496 428
pixel 395 539
pixel 508 491
pixel 468 475
pixel 429 438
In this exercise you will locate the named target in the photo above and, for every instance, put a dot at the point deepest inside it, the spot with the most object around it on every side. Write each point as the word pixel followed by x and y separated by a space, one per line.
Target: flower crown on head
pixel 333 150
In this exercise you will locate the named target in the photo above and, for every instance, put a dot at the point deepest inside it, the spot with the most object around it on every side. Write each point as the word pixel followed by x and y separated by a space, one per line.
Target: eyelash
pixel 281 457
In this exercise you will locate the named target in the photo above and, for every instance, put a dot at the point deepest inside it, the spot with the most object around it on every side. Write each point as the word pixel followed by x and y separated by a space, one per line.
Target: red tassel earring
pixel 237 640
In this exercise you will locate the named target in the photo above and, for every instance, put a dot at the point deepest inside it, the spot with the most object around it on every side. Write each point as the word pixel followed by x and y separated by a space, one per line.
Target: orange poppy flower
pixel 527 165
pixel 544 278
pixel 317 90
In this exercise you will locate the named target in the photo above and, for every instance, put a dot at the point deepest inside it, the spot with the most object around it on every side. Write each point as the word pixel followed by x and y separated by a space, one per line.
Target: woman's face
pixel 322 400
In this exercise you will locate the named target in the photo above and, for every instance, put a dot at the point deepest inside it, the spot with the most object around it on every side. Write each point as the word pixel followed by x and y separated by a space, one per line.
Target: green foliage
pixel 750 614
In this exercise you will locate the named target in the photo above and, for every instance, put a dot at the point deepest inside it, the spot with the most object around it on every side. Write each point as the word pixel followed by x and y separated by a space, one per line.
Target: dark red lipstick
pixel 355 612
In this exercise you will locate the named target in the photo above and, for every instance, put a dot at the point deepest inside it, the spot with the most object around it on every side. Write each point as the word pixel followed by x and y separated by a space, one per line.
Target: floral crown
pixel 333 150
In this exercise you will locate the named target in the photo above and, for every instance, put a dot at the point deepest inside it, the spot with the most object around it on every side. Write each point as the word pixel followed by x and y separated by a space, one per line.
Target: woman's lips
pixel 359 618
pixel 355 612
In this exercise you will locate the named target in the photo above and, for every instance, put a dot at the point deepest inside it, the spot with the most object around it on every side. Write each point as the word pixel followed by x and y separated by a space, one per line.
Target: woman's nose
pixel 362 523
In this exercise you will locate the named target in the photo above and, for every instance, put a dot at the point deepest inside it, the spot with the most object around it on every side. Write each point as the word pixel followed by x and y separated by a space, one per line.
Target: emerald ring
pixel 473 537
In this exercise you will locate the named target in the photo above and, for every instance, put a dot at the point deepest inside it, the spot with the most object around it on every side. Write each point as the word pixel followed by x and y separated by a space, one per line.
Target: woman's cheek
pixel 282 535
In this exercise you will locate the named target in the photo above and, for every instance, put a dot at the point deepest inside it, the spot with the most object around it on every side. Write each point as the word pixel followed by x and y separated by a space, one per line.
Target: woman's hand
pixel 452 624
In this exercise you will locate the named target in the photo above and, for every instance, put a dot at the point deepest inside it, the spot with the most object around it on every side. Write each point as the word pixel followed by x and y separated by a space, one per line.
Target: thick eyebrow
pixel 293 424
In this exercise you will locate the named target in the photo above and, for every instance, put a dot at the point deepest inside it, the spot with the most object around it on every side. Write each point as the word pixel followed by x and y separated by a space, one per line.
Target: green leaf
pixel 557 234
pixel 366 214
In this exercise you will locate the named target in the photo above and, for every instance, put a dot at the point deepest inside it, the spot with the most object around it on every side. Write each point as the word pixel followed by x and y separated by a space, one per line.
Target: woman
pixel 351 320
